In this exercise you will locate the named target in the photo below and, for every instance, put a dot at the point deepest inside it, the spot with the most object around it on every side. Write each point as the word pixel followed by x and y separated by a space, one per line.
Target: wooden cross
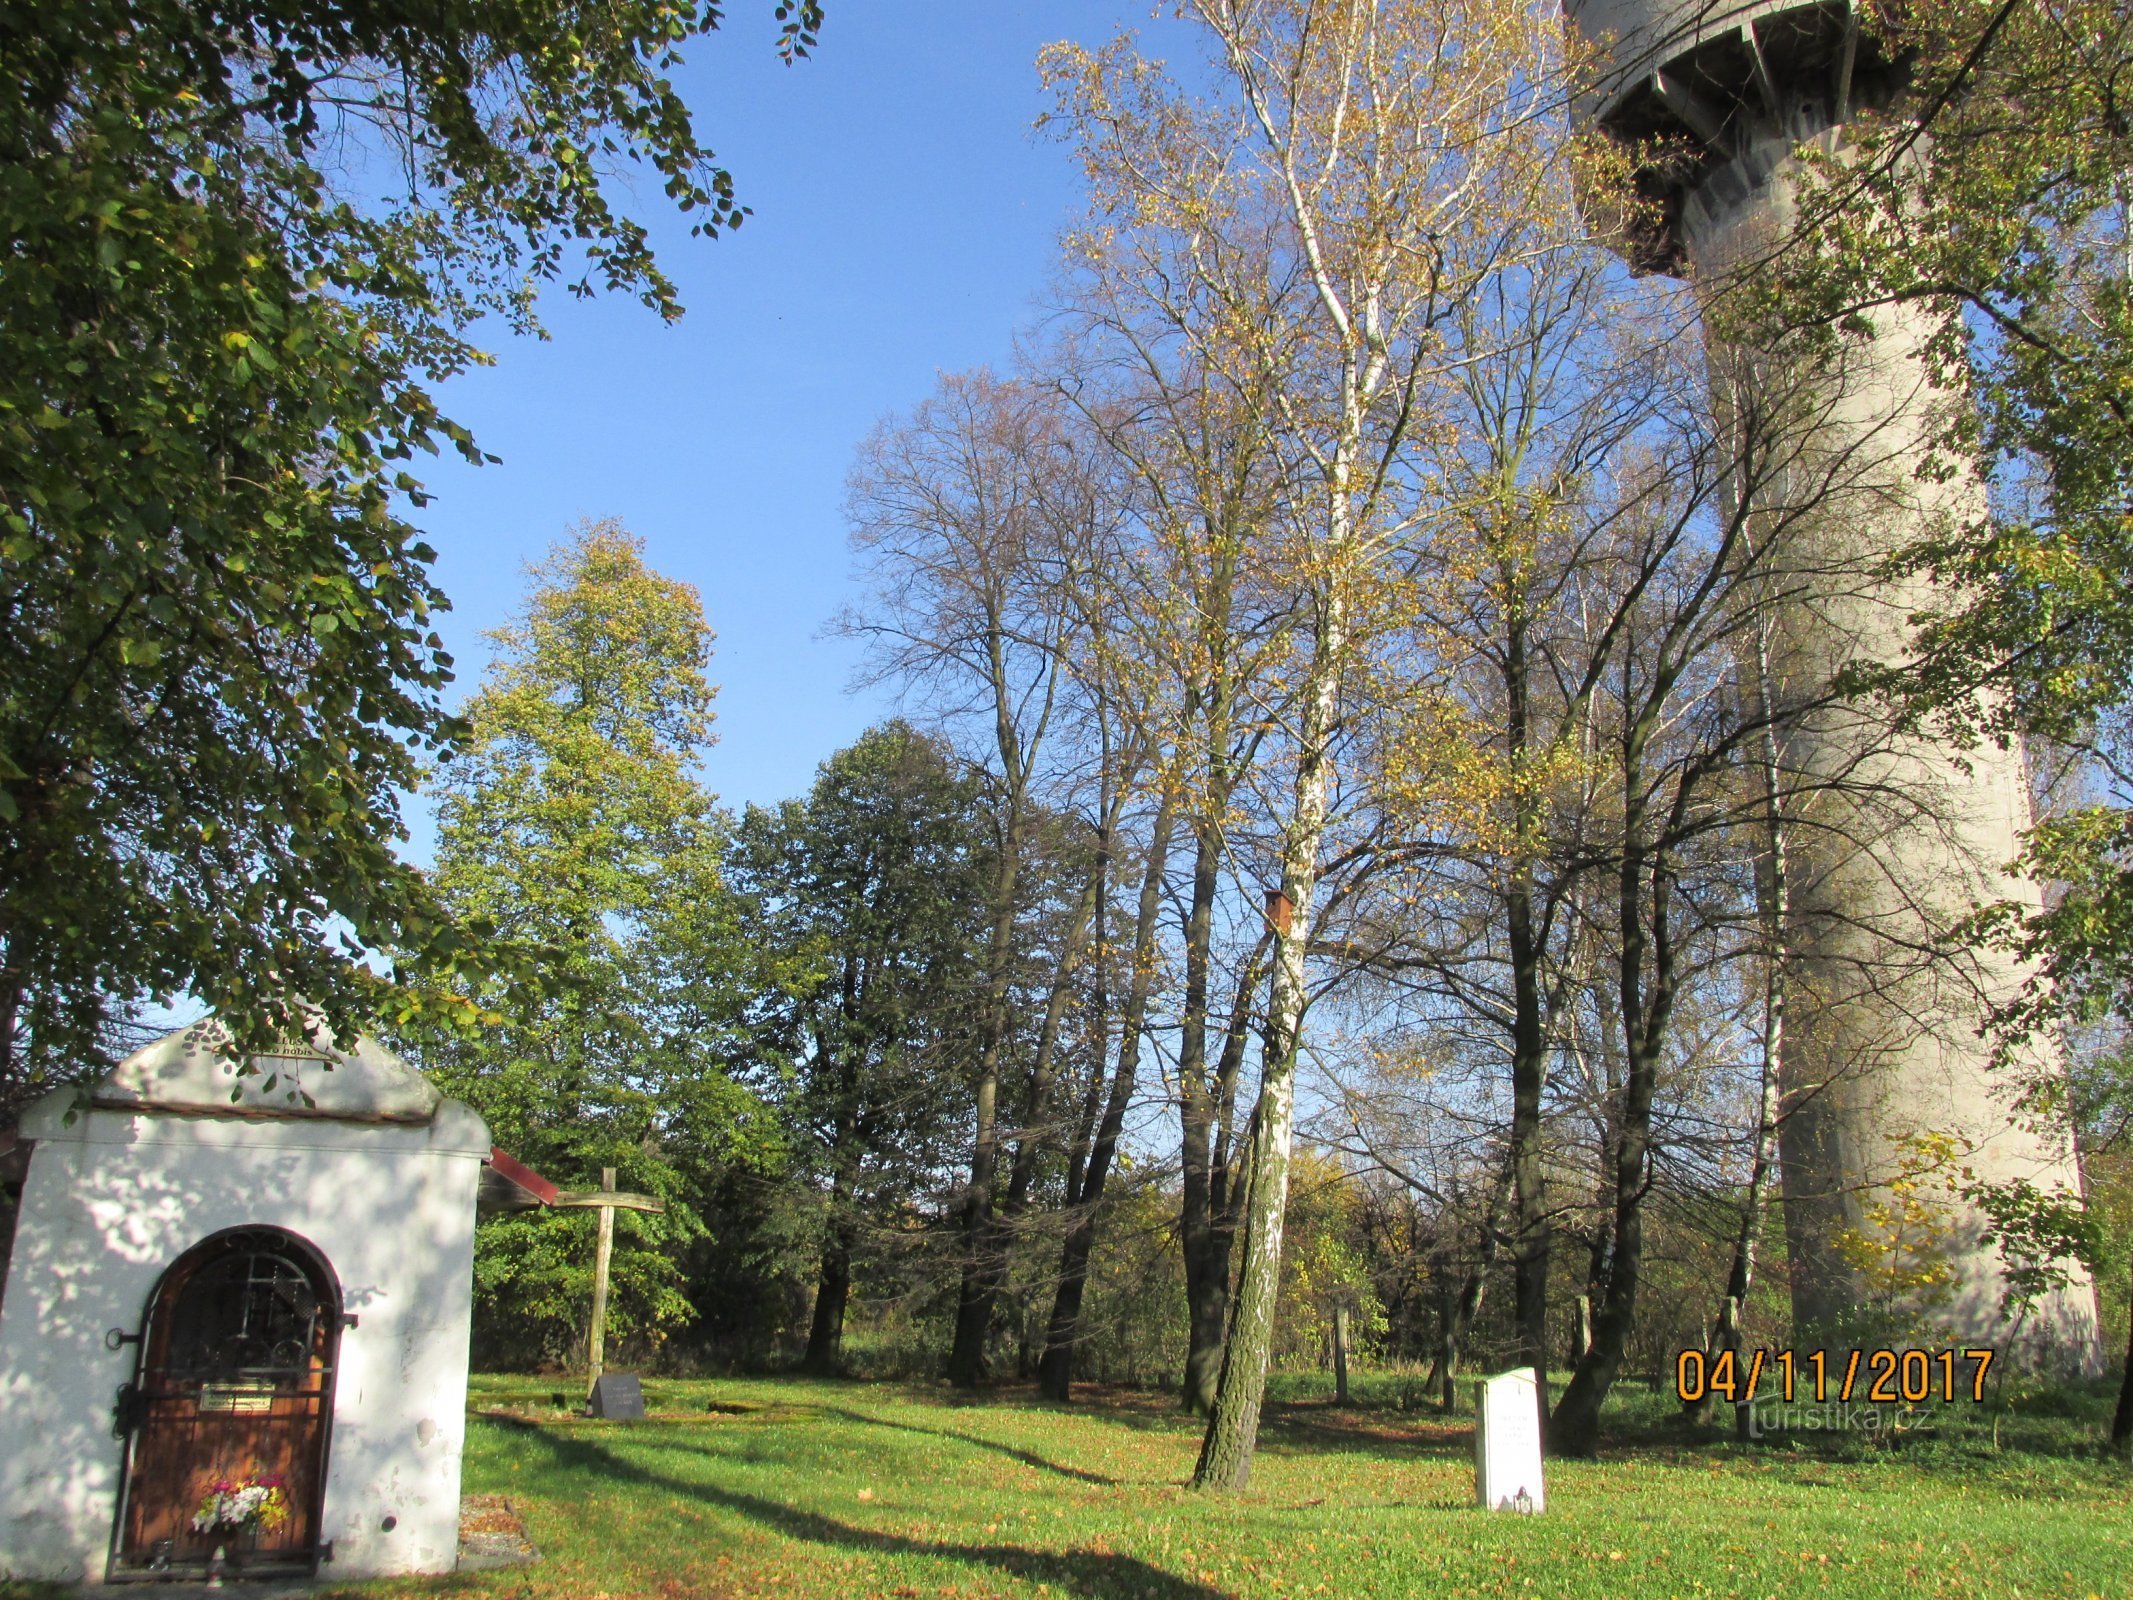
pixel 606 1198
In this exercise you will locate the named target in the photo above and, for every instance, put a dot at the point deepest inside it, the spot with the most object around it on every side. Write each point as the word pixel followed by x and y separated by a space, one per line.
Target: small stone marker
pixel 1507 1442
pixel 618 1396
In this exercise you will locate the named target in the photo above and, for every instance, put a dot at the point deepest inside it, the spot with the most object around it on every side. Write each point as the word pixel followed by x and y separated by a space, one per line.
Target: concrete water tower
pixel 1891 838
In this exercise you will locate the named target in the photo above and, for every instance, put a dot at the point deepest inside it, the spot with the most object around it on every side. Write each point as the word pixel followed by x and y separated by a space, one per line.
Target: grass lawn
pixel 806 1489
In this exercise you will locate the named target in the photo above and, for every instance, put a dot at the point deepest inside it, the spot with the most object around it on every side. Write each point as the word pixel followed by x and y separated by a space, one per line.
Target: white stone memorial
pixel 1507 1442
pixel 221 1288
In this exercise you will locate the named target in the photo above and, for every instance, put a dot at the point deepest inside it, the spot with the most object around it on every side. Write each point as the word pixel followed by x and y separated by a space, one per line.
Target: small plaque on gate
pixel 241 1399
pixel 618 1396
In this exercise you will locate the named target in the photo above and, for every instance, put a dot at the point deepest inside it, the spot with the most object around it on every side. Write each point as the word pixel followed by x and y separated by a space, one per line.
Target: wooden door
pixel 235 1387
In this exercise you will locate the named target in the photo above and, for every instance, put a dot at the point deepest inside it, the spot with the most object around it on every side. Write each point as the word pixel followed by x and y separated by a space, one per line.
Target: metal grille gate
pixel 235 1385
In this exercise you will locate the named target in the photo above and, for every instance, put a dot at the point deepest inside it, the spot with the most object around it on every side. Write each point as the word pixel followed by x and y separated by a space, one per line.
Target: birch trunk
pixel 1233 1428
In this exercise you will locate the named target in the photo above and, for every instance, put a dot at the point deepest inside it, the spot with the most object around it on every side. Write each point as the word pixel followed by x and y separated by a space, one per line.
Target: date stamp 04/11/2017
pixel 1879 1377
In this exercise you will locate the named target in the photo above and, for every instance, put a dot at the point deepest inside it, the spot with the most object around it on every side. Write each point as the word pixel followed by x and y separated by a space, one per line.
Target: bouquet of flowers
pixel 252 1503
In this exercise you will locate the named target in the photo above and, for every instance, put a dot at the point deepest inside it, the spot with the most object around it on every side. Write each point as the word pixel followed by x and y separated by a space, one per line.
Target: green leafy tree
pixel 575 826
pixel 1325 1268
pixel 217 663
pixel 871 895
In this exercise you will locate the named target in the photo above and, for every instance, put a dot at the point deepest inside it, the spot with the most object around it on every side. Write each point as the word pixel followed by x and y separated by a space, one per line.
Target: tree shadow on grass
pixel 1317 1427
pixel 1028 1458
pixel 1141 1418
pixel 1075 1572
pixel 1285 1425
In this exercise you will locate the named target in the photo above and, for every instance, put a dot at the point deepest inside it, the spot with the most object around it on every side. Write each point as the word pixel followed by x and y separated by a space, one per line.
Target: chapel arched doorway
pixel 234 1389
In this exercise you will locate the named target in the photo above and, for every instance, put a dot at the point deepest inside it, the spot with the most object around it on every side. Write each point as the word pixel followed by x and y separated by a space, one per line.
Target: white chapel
pixel 255 1281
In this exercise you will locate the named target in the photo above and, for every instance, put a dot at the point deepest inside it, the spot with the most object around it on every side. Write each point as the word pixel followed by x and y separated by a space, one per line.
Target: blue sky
pixel 905 223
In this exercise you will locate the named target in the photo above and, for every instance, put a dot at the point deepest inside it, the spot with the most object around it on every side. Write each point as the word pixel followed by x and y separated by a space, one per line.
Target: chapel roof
pixel 194 1070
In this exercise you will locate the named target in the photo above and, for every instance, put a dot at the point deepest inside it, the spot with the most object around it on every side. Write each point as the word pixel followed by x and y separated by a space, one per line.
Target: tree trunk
pixel 1529 1274
pixel 10 1012
pixel 2122 1422
pixel 1029 1138
pixel 1772 907
pixel 1090 1112
pixel 1529 1030
pixel 1600 1246
pixel 1340 1355
pixel 1646 1012
pixel 967 1364
pixel 1196 1113
pixel 1233 1428
pixel 1055 1372
pixel 974 1301
pixel 1773 898
pixel 1206 1210
pixel 1574 1428
pixel 985 1274
pixel 1208 1258
pixel 833 1284
pixel 833 1290
pixel 1459 1316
